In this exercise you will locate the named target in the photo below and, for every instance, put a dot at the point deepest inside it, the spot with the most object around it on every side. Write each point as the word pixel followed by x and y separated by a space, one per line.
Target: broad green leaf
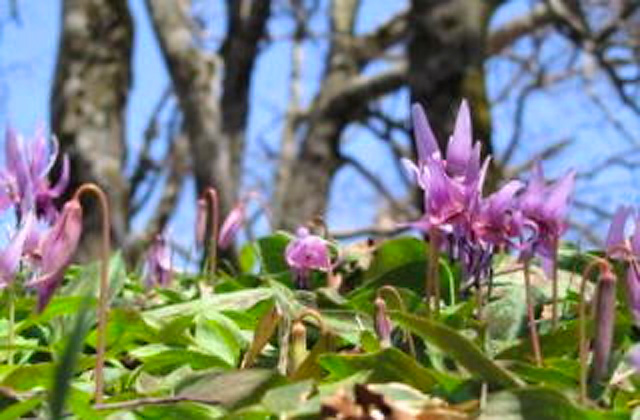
pixel 387 365
pixel 219 336
pixel 229 389
pixel 535 403
pixel 458 347
pixel 20 409
pixel 399 262
pixel 272 249
pixel 178 411
pixel 288 398
pixel 239 301
pixel 248 257
pixel 159 359
pixel 27 377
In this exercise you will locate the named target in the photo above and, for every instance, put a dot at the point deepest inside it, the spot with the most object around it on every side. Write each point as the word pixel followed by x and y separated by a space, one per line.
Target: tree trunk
pixel 446 64
pixel 88 101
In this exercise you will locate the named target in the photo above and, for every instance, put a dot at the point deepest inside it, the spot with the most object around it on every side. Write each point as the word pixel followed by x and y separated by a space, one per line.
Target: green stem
pixel 12 323
pixel 432 287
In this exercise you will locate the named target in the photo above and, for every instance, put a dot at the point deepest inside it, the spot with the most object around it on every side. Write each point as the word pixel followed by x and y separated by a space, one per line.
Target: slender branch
pixel 362 89
pixel 504 36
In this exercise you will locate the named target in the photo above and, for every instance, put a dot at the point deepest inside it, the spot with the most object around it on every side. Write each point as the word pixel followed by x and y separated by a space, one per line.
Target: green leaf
pixel 288 398
pixel 458 347
pixel 27 377
pixel 19 410
pixel 272 249
pixel 218 335
pixel 66 367
pixel 238 301
pixel 388 365
pixel 535 403
pixel 230 389
pixel 399 262
pixel 248 257
pixel 178 411
pixel 159 359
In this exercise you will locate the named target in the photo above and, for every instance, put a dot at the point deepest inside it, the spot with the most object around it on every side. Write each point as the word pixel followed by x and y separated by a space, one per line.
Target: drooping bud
pixel 605 319
pixel 232 225
pixel 55 251
pixel 382 323
pixel 298 346
pixel 158 268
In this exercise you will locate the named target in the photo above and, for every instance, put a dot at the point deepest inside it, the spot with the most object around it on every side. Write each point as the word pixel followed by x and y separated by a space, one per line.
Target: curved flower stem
pixel 394 292
pixel 93 189
pixel 583 348
pixel 533 332
pixel 308 312
pixel 212 195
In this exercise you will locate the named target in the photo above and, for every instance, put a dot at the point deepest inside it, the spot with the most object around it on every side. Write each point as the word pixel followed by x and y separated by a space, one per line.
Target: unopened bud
pixel 605 320
pixel 298 347
pixel 382 323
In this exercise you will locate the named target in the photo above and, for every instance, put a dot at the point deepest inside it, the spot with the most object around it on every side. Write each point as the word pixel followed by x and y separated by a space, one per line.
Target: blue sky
pixel 27 60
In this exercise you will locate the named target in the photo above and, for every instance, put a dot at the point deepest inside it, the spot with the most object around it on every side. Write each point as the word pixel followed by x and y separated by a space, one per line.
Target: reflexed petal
pixel 459 149
pixel 10 256
pixel 63 182
pixel 615 236
pixel 635 238
pixel 557 202
pixel 426 142
pixel 633 291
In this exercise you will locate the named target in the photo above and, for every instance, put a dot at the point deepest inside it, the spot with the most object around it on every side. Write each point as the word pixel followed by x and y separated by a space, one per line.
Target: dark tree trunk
pixel 88 101
pixel 446 63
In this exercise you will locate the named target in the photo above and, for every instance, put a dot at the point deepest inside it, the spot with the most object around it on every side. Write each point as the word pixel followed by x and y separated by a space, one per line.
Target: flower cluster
pixel 529 218
pixel 45 238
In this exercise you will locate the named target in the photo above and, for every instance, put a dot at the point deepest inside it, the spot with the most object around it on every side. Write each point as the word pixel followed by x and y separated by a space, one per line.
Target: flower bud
pixel 298 346
pixel 382 323
pixel 605 318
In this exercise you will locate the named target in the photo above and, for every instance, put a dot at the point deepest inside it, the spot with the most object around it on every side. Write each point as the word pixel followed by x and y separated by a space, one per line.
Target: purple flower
pixel 450 186
pixel 158 268
pixel 496 218
pixel 633 356
pixel 305 253
pixel 231 225
pixel 546 206
pixel 54 251
pixel 25 181
pixel 10 256
pixel 619 247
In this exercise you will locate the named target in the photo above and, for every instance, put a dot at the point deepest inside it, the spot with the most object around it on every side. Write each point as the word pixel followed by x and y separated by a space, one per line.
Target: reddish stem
pixel 93 189
pixel 212 195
